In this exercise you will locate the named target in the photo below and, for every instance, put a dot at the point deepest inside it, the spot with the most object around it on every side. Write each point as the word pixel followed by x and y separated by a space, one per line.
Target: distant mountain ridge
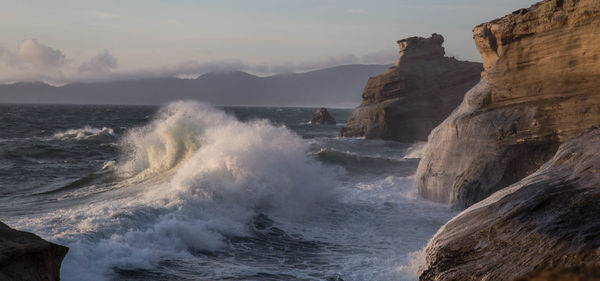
pixel 337 86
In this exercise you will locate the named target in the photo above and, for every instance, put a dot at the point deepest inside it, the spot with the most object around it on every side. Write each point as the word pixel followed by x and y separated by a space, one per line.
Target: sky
pixel 63 41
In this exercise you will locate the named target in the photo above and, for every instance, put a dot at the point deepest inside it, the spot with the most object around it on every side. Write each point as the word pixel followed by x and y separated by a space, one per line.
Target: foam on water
pixel 189 186
pixel 188 179
pixel 83 133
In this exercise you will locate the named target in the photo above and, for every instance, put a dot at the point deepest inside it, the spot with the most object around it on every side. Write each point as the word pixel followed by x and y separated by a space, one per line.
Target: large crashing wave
pixel 208 154
pixel 192 177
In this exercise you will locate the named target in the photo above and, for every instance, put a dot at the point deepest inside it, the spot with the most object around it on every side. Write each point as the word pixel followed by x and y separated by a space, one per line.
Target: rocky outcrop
pixel 540 88
pixel 25 256
pixel 563 274
pixel 546 221
pixel 412 97
pixel 322 116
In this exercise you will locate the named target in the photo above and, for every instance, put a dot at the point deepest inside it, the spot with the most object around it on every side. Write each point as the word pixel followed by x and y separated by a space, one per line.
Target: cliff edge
pixel 540 88
pixel 546 223
pixel 412 97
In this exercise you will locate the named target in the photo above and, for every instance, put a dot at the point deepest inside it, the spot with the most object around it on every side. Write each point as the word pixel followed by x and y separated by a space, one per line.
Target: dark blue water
pixel 190 192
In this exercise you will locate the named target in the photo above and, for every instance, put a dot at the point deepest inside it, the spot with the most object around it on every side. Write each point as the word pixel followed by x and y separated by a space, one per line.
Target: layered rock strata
pixel 412 97
pixel 545 222
pixel 541 86
pixel 27 257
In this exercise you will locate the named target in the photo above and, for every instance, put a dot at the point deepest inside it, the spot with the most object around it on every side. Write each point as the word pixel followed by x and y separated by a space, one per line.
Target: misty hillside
pixel 338 86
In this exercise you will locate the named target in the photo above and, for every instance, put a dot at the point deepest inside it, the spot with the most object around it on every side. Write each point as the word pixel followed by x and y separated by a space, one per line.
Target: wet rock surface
pixel 322 117
pixel 27 257
pixel 547 221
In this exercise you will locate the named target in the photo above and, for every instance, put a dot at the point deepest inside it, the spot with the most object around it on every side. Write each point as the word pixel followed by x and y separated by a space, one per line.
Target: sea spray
pixel 416 150
pixel 126 218
pixel 196 175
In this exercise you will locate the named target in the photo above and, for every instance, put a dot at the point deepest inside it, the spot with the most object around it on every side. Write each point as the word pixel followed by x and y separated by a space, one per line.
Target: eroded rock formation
pixel 412 97
pixel 541 87
pixel 563 274
pixel 546 221
pixel 25 256
pixel 321 117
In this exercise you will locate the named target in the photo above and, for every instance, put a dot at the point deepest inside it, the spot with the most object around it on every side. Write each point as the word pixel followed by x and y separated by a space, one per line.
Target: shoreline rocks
pixel 412 97
pixel 26 256
pixel 547 220
pixel 540 88
pixel 322 117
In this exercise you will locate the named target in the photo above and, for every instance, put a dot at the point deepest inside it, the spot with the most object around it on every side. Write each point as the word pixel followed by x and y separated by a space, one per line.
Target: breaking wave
pixel 83 133
pixel 190 179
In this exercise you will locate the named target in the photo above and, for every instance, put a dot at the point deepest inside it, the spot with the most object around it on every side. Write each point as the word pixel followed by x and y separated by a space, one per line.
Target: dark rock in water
pixel 547 220
pixel 25 256
pixel 412 97
pixel 322 116
pixel 540 89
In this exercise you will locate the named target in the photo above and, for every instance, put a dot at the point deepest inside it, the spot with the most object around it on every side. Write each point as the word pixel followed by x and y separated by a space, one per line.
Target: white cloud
pixel 185 69
pixel 328 61
pixel 101 63
pixel 319 63
pixel 388 56
pixel 31 53
pixel 34 61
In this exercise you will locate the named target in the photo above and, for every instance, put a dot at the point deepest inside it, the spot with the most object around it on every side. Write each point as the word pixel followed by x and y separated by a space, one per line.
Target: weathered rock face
pixel 25 256
pixel 409 99
pixel 546 221
pixel 322 116
pixel 541 87
pixel 563 274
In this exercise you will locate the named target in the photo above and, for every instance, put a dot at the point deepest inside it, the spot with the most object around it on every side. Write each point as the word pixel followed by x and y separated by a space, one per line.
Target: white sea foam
pixel 190 177
pixel 195 177
pixel 83 133
pixel 416 150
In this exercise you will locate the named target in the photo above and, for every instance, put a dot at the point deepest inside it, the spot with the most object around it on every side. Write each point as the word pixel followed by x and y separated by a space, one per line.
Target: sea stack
pixel 25 256
pixel 540 88
pixel 412 97
pixel 547 224
pixel 322 117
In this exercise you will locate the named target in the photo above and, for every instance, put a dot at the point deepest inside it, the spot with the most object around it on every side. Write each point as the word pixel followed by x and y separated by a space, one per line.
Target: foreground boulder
pixel 25 256
pixel 541 88
pixel 546 221
pixel 322 116
pixel 412 97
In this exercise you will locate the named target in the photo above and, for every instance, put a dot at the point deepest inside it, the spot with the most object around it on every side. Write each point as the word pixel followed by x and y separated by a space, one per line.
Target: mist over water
pixel 188 192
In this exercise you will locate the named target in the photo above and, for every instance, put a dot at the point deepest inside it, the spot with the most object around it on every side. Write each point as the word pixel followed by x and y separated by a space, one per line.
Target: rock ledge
pixel 25 256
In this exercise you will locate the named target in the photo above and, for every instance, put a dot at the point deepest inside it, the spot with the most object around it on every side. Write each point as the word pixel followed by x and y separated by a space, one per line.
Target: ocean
pixel 192 192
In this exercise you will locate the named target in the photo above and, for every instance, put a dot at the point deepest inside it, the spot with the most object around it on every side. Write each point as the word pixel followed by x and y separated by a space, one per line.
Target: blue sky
pixel 65 40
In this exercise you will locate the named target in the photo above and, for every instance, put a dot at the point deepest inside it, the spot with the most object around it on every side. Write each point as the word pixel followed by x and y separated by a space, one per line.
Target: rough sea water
pixel 191 192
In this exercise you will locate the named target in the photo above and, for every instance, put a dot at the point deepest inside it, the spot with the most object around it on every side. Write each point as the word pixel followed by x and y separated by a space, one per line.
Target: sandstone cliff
pixel 546 221
pixel 541 87
pixel 27 257
pixel 412 97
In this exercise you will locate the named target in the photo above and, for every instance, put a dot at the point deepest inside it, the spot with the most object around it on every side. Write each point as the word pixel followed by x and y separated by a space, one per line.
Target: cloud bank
pixel 35 61
pixel 31 53
pixel 101 63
